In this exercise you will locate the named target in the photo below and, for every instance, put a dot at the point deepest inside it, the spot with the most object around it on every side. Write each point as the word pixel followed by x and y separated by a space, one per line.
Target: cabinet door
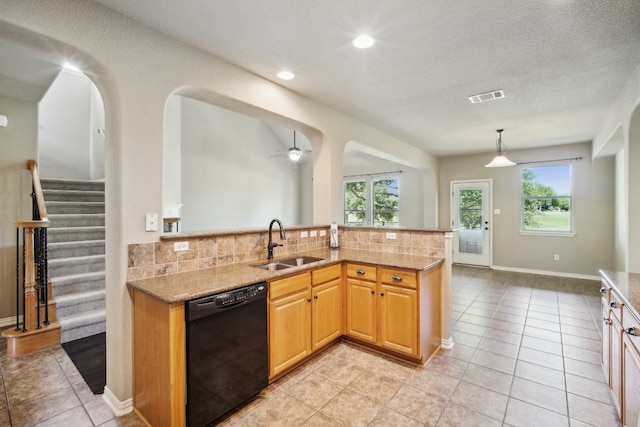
pixel 361 309
pixel 399 319
pixel 289 331
pixel 606 342
pixel 326 313
pixel 631 381
pixel 615 362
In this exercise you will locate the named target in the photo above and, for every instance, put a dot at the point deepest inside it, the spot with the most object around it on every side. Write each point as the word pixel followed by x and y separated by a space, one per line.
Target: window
pixel 371 201
pixel 546 199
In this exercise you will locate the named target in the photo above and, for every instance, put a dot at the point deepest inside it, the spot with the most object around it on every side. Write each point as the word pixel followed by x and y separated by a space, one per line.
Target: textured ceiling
pixel 561 63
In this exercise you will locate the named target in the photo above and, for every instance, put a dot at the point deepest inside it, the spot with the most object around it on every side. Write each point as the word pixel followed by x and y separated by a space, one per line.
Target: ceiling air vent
pixel 489 96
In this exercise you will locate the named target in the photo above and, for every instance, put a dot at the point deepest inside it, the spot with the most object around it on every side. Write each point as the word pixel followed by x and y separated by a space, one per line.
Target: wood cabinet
pixel 326 306
pixel 621 355
pixel 305 315
pixel 394 309
pixel 289 322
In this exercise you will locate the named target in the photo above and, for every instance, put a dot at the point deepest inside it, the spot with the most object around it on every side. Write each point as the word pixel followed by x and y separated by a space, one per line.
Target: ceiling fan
pixel 294 153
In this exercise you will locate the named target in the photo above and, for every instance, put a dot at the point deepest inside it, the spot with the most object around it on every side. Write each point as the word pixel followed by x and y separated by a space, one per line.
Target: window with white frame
pixel 546 199
pixel 371 200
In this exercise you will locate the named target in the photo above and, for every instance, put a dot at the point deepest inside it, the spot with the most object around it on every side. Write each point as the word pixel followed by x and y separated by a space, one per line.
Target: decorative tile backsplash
pixel 206 251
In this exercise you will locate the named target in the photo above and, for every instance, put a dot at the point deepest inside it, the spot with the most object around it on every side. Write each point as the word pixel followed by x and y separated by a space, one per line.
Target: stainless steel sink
pixel 287 263
pixel 272 266
pixel 298 261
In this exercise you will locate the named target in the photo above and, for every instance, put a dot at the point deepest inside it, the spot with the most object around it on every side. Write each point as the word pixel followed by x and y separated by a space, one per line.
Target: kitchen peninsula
pixel 396 303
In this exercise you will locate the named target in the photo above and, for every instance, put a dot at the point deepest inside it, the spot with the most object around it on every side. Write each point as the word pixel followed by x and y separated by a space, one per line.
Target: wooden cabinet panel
pixel 631 382
pixel 399 319
pixel 326 274
pixel 326 310
pixel 606 341
pixel 397 277
pixel 289 331
pixel 361 310
pixel 362 272
pixel 615 361
pixel 288 285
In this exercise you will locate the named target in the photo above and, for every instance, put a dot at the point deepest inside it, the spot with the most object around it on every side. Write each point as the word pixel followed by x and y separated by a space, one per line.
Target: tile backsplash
pixel 209 250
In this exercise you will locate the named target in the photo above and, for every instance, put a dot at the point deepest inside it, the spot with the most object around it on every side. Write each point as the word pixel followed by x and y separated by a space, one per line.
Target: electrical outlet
pixel 304 234
pixel 180 246
pixel 151 223
pixel 391 236
pixel 314 233
pixel 323 233
pixel 556 257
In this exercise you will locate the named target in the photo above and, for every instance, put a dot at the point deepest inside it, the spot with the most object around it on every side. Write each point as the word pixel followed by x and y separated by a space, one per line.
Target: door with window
pixel 470 216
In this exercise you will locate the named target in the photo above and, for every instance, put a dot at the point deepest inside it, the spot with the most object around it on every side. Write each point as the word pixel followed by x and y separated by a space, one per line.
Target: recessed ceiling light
pixel 286 75
pixel 363 42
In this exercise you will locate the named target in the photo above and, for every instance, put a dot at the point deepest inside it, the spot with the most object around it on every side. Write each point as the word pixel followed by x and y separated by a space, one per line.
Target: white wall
pixel 172 158
pixel 620 262
pixel 97 135
pixel 229 178
pixel 18 142
pixel 592 246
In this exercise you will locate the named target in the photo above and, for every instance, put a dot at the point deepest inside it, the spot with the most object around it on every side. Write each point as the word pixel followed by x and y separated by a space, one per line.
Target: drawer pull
pixel 613 304
pixel 308 299
pixel 373 292
pixel 603 290
pixel 360 271
pixel 397 278
pixel 631 331
pixel 607 321
pixel 381 294
pixel 315 297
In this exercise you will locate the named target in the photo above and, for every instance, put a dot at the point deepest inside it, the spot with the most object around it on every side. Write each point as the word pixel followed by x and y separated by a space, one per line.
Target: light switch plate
pixel 180 246
pixel 151 222
pixel 323 233
pixel 304 234
pixel 314 233
pixel 391 236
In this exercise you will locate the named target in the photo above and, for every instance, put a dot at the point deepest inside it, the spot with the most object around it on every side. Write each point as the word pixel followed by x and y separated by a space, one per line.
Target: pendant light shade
pixel 500 160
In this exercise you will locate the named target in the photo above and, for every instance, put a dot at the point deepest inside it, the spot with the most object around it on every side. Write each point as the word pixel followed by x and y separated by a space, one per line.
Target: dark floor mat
pixel 90 357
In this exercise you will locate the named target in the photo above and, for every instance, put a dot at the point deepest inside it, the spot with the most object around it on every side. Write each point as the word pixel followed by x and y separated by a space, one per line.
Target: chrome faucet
pixel 271 244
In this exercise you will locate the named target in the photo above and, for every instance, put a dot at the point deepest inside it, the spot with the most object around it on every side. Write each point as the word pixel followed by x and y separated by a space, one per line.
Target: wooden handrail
pixel 32 165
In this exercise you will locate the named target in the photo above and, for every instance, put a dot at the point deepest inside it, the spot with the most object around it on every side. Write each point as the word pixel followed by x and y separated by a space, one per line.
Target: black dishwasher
pixel 227 353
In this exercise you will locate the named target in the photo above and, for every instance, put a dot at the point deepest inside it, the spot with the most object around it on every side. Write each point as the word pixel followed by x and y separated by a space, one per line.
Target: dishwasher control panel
pixel 238 295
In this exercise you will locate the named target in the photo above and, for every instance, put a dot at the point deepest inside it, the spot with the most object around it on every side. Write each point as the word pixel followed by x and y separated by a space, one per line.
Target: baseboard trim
pixel 447 343
pixel 547 273
pixel 8 321
pixel 118 407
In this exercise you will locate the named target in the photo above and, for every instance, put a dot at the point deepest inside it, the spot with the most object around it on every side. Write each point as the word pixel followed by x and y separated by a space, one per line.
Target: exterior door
pixel 470 216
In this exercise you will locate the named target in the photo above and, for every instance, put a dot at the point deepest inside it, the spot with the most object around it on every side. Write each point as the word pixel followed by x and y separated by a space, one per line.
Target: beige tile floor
pixel 527 353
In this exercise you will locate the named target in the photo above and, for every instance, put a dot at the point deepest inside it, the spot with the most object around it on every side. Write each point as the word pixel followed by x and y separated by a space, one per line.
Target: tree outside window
pixel 371 202
pixel 546 199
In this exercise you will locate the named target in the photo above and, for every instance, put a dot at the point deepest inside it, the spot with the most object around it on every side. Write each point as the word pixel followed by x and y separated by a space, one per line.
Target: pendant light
pixel 500 160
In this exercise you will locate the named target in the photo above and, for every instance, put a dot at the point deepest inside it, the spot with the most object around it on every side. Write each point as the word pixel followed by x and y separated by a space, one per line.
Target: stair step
pixel 73 196
pixel 74 234
pixel 73 249
pixel 76 265
pixel 77 283
pixel 54 208
pixel 76 220
pixel 78 303
pixel 64 184
pixel 83 325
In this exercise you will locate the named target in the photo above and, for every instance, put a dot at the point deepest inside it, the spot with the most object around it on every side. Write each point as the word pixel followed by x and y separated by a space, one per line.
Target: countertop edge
pixel 257 275
pixel 609 277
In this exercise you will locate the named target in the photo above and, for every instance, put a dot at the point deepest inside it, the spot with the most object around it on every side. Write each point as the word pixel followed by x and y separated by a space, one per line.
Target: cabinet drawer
pixel 362 272
pixel 326 274
pixel 631 327
pixel 288 285
pixel 615 305
pixel 397 277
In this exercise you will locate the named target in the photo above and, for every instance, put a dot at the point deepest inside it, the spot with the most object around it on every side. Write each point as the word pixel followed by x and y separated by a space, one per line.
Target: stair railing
pixel 32 275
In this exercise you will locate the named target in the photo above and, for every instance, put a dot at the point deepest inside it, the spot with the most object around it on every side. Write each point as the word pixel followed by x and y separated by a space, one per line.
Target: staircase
pixel 76 255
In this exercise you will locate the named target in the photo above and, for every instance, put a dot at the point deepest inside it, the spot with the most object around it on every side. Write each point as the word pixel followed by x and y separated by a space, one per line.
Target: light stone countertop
pixel 200 283
pixel 626 286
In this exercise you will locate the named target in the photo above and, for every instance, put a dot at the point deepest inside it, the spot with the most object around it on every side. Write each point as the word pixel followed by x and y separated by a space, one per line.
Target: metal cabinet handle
pixel 315 297
pixel 360 271
pixel 631 331
pixel 308 299
pixel 613 304
pixel 373 292
pixel 381 294
pixel 607 321
pixel 603 290
pixel 397 278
